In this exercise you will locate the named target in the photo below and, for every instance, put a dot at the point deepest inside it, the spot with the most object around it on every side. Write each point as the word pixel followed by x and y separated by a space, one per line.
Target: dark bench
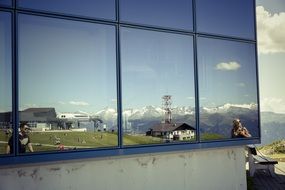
pixel 259 162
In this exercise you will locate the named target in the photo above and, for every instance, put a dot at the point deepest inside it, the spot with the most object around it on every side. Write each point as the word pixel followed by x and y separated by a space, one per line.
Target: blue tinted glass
pixel 104 9
pixel 6 2
pixel 67 83
pixel 226 17
pixel 164 13
pixel 157 87
pixel 227 87
pixel 5 80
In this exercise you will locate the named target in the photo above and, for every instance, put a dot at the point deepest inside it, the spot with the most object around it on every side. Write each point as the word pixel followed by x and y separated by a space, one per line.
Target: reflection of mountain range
pixel 220 122
pixel 213 120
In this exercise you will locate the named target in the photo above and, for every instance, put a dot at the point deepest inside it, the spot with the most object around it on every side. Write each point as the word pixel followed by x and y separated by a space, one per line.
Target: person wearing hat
pixel 24 140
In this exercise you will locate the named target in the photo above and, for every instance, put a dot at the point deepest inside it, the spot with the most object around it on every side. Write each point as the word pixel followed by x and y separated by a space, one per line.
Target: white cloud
pixel 241 84
pixel 276 105
pixel 190 98
pixel 78 103
pixel 270 31
pixel 61 102
pixel 230 66
pixel 31 106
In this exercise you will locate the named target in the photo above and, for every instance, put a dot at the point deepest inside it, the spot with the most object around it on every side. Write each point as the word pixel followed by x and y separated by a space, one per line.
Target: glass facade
pixel 6 2
pixel 158 92
pixel 176 14
pixel 101 9
pixel 227 87
pixel 117 77
pixel 5 80
pixel 67 82
pixel 226 17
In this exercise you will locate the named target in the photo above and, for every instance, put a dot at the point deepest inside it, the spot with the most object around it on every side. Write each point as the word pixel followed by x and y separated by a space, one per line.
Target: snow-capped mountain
pixel 145 112
pixel 229 107
pixel 149 112
pixel 107 114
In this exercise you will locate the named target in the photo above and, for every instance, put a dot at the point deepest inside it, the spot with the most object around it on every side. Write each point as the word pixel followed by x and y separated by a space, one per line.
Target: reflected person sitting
pixel 239 131
pixel 24 140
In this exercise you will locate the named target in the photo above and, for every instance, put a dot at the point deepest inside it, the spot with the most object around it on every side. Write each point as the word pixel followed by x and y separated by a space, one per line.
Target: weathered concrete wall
pixel 200 169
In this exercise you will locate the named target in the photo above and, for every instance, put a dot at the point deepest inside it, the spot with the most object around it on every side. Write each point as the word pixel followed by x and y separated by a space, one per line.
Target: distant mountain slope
pixel 213 120
pixel 272 127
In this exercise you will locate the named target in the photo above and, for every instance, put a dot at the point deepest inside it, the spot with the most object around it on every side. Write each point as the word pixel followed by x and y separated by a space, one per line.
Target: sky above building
pixel 271 54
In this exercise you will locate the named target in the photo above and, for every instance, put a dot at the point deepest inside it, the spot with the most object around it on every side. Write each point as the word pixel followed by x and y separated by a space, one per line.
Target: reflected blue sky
pixel 6 2
pixel 166 13
pixel 226 17
pixel 65 64
pixel 91 8
pixel 155 64
pixel 227 72
pixel 5 62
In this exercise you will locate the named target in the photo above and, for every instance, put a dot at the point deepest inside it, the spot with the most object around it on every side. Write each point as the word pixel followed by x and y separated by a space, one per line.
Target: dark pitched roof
pixel 163 127
pixel 5 117
pixel 38 114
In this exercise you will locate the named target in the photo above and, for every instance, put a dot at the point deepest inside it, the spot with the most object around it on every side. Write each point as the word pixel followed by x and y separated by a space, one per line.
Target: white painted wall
pixel 214 169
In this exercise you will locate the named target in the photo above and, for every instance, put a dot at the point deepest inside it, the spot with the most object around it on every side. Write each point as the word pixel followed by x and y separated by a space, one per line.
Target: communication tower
pixel 166 106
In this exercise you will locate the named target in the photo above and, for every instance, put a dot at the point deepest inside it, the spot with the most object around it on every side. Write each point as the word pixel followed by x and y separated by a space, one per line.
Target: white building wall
pixel 214 169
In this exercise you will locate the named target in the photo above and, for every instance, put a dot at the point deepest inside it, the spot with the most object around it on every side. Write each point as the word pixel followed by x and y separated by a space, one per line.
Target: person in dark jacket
pixel 24 140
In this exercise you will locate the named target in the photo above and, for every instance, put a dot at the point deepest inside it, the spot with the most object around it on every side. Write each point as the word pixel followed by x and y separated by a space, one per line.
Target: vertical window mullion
pixel 119 89
pixel 15 82
pixel 196 82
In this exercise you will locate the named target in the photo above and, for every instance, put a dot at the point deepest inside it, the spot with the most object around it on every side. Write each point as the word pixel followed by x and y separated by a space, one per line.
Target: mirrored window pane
pixel 226 17
pixel 163 13
pixel 6 2
pixel 104 9
pixel 157 87
pixel 227 88
pixel 67 83
pixel 5 83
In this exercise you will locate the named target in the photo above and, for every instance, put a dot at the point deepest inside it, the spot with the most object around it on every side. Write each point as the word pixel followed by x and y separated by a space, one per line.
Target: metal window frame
pixel 119 150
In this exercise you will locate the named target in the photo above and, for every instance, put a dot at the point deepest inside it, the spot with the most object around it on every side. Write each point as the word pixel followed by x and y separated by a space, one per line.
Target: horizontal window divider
pixel 156 28
pixel 228 140
pixel 6 9
pixel 223 37
pixel 66 16
pixel 33 158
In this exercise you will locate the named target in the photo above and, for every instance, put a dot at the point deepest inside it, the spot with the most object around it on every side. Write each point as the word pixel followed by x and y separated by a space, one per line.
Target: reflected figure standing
pixel 24 140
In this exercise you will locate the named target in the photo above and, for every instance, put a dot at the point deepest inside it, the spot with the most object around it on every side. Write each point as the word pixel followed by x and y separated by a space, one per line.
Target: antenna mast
pixel 166 106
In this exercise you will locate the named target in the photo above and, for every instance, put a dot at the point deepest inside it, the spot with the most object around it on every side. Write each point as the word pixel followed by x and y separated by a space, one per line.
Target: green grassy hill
pixel 275 150
pixel 59 140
